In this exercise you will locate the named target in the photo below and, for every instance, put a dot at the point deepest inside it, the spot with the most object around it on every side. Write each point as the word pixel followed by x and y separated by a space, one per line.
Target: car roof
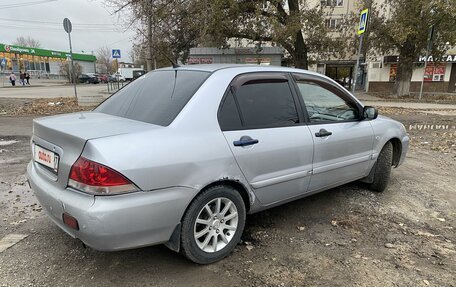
pixel 244 67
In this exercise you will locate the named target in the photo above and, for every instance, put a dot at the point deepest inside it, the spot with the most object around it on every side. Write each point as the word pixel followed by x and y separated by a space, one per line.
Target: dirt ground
pixel 347 236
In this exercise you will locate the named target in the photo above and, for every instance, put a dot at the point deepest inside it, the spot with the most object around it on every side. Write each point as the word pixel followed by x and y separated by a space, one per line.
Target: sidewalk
pixel 40 92
pixel 378 102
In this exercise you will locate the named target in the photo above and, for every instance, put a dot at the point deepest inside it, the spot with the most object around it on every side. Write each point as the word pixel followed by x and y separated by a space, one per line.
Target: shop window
pixel 332 23
pixel 434 72
pixel 335 3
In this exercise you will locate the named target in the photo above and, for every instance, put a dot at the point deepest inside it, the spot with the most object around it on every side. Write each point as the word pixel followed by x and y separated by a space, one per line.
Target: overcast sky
pixel 93 25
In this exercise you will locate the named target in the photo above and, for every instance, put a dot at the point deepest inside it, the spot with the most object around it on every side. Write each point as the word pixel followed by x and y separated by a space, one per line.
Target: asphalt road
pixel 346 236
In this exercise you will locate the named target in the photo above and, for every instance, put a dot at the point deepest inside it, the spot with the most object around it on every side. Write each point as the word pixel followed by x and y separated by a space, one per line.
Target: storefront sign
pixel 258 60
pixel 421 59
pixel 446 58
pixel 44 53
pixel 200 60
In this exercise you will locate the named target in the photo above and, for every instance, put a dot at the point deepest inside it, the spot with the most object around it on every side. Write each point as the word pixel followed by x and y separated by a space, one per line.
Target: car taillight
pixel 95 178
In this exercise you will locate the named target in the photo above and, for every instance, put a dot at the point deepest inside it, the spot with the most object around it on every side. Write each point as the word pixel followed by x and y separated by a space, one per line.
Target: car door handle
pixel 323 133
pixel 245 141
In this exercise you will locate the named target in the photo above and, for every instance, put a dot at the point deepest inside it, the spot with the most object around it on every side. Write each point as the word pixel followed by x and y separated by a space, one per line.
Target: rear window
pixel 156 98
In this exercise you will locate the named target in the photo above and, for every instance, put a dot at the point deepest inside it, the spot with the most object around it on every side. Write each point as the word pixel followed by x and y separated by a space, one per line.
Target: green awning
pixel 45 53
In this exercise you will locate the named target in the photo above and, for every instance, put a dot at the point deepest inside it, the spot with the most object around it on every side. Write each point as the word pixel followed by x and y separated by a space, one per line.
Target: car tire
pixel 382 169
pixel 226 226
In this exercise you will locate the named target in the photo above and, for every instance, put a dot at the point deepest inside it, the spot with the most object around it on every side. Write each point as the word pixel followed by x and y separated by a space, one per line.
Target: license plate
pixel 46 157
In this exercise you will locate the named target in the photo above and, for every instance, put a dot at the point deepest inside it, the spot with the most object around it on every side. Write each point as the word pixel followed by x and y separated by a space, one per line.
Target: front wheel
pixel 382 169
pixel 213 224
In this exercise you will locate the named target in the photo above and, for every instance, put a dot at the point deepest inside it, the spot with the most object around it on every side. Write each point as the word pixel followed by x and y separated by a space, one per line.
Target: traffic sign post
pixel 115 53
pixel 68 27
pixel 363 21
pixel 362 27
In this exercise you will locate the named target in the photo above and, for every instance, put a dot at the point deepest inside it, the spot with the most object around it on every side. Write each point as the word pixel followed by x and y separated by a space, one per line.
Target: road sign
pixel 363 21
pixel 67 25
pixel 115 53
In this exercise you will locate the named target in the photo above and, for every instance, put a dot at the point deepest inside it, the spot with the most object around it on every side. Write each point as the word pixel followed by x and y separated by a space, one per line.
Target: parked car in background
pixel 138 73
pixel 182 155
pixel 117 77
pixel 130 74
pixel 88 79
pixel 103 78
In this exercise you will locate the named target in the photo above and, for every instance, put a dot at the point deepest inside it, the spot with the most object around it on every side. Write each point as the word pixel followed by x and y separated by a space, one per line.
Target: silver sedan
pixel 181 155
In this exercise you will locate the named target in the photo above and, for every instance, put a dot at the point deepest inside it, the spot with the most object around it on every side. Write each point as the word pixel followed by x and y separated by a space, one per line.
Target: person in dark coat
pixel 27 78
pixel 22 78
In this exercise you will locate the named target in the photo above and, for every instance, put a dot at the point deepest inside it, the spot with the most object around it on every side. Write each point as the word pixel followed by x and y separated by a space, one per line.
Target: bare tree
pixel 104 60
pixel 65 70
pixel 27 42
pixel 166 30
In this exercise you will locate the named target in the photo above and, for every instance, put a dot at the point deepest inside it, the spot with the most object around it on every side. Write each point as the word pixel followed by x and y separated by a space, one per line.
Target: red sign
pixel 200 60
pixel 393 73
pixel 434 72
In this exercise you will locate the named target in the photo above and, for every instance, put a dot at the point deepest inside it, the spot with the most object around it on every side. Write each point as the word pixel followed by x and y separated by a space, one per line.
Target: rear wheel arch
pixel 238 186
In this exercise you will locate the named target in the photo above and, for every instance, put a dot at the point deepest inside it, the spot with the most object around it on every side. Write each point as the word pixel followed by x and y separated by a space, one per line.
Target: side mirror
pixel 370 113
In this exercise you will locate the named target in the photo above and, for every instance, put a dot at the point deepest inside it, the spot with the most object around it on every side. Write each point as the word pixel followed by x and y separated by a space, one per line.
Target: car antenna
pixel 175 65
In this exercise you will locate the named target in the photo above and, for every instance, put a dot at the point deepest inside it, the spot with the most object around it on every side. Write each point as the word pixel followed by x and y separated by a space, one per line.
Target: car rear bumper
pixel 109 223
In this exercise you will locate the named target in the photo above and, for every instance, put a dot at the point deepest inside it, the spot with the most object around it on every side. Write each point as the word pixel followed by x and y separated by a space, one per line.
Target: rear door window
pixel 156 98
pixel 229 118
pixel 266 103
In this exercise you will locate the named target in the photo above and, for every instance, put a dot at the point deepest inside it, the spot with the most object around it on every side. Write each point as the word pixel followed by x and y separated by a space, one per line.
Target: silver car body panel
pixel 279 166
pixel 343 156
pixel 171 165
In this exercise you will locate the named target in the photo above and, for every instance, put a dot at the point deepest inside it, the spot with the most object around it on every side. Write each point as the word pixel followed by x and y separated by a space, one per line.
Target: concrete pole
pixel 72 77
pixel 357 63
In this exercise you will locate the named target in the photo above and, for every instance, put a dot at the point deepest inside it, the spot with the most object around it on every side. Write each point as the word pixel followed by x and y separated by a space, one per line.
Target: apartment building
pixel 378 72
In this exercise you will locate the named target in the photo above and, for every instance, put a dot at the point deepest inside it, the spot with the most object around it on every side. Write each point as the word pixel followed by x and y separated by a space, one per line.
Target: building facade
pixel 378 73
pixel 246 55
pixel 439 75
pixel 40 61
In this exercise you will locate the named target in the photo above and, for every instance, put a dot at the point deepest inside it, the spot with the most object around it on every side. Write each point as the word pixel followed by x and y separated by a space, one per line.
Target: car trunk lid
pixel 66 136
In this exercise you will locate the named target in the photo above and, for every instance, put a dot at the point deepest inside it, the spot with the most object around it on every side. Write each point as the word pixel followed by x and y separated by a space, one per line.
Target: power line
pixel 51 29
pixel 18 5
pixel 53 23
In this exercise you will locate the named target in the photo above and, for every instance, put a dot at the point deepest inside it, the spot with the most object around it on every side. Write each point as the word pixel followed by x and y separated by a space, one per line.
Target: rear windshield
pixel 156 98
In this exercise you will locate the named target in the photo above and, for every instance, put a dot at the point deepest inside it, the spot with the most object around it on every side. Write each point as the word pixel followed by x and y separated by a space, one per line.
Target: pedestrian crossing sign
pixel 115 53
pixel 363 21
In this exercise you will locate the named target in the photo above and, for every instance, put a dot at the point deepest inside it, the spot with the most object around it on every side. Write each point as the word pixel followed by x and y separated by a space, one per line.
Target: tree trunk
pixel 300 48
pixel 404 76
pixel 300 52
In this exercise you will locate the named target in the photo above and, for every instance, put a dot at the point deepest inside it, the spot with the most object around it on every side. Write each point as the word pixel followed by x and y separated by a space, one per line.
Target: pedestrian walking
pixel 22 78
pixel 27 78
pixel 12 79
